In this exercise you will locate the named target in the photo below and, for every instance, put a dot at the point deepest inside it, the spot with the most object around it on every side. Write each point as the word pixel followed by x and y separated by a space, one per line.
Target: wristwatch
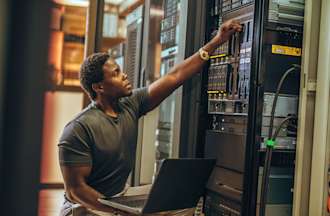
pixel 204 54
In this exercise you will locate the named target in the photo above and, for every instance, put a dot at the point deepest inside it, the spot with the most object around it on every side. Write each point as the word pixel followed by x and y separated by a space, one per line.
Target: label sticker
pixel 286 50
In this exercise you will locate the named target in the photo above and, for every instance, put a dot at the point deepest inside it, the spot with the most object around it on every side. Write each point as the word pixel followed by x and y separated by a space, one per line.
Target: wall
pixel 60 108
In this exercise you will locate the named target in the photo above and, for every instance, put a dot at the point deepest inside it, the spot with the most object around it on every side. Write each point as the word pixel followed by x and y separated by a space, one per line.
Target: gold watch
pixel 204 54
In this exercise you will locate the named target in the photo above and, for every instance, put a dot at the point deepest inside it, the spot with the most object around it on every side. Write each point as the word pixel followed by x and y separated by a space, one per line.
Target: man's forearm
pixel 194 63
pixel 163 87
pixel 87 196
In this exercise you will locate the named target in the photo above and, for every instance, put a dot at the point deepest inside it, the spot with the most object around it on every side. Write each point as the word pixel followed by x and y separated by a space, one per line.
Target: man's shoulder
pixel 137 102
pixel 86 117
pixel 81 125
pixel 135 96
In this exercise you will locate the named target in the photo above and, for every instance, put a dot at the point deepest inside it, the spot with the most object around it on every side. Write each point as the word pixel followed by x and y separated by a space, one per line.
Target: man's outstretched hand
pixel 226 30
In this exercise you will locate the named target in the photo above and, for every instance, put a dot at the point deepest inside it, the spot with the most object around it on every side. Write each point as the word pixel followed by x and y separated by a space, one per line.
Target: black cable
pixel 269 150
pixel 278 129
pixel 279 86
pixel 264 184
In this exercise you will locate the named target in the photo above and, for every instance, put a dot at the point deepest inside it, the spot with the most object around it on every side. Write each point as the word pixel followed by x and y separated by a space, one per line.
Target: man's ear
pixel 97 87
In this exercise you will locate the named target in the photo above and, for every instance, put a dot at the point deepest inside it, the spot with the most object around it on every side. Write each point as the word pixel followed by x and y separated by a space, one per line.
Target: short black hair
pixel 91 71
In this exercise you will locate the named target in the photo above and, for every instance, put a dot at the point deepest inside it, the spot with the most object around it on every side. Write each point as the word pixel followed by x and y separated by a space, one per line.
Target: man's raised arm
pixel 164 86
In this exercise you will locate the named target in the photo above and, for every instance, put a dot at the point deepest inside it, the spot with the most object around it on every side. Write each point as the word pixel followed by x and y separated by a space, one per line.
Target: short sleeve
pixel 73 145
pixel 139 101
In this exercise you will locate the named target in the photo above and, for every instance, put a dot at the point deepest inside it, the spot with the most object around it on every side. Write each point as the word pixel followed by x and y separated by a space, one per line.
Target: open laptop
pixel 179 185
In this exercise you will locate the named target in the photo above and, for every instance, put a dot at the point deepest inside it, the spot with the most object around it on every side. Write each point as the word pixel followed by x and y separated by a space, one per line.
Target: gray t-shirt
pixel 106 143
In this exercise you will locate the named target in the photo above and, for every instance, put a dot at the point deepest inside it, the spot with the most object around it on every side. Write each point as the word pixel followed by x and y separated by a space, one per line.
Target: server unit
pixel 240 85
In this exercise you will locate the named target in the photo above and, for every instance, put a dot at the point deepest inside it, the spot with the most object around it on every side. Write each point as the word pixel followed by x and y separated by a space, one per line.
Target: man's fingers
pixel 237 26
pixel 233 28
pixel 232 25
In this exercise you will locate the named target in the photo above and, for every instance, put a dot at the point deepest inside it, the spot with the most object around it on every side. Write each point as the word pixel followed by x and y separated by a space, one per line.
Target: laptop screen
pixel 179 184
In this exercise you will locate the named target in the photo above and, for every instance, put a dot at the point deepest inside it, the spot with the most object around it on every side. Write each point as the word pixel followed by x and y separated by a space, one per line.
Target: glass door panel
pixel 161 32
pixel 169 40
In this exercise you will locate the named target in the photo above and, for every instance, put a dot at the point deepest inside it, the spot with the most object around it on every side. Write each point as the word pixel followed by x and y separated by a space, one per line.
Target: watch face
pixel 204 54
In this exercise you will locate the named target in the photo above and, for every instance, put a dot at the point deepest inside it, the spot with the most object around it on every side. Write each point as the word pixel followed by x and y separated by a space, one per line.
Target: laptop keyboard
pixel 131 201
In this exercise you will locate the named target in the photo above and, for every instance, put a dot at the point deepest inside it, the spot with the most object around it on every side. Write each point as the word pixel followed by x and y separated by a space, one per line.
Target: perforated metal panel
pixel 133 51
pixel 131 55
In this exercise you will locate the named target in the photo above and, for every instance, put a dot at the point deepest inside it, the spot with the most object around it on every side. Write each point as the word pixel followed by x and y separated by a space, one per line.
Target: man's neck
pixel 108 106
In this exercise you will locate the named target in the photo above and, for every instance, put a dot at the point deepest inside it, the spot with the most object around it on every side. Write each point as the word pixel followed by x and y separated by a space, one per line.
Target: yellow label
pixel 286 50
pixel 212 92
pixel 218 56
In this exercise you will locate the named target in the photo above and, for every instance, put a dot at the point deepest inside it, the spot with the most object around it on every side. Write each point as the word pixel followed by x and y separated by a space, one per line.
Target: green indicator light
pixel 270 143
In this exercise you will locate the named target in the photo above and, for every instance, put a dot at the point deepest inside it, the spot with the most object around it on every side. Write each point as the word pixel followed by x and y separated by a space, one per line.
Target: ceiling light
pixel 115 2
pixel 79 3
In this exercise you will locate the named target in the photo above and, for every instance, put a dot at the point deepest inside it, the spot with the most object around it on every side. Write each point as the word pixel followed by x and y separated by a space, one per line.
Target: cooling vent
pixel 131 54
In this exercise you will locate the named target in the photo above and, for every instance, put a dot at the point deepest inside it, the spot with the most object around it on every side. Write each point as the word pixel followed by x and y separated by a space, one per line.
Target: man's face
pixel 115 83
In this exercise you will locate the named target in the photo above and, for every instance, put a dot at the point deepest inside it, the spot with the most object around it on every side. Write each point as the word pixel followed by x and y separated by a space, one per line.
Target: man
pixel 97 148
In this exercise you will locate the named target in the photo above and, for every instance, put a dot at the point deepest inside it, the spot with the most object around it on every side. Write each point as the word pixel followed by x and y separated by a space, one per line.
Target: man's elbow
pixel 73 194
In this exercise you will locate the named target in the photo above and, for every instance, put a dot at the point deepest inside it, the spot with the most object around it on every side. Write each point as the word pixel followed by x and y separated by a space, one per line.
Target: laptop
pixel 179 184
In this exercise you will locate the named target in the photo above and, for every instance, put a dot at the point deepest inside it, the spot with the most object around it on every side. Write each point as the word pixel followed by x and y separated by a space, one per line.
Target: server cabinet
pixel 238 88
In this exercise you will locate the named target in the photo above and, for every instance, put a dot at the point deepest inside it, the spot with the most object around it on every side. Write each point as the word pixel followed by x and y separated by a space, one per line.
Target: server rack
pixel 237 90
